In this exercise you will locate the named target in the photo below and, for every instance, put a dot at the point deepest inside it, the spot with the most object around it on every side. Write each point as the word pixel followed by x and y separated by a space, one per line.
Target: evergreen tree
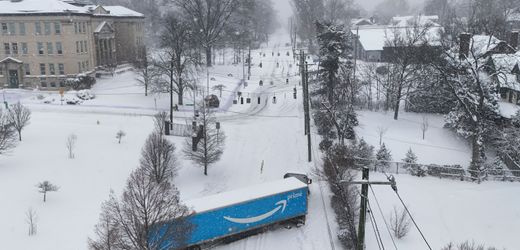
pixel 411 165
pixel 383 157
pixel 365 154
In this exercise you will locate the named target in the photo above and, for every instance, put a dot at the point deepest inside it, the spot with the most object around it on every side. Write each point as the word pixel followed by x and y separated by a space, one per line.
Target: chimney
pixel 464 42
pixel 513 39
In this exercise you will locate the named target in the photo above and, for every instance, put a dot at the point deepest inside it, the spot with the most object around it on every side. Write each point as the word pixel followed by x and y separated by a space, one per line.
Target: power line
pixel 409 214
pixel 378 235
pixel 383 216
pixel 375 232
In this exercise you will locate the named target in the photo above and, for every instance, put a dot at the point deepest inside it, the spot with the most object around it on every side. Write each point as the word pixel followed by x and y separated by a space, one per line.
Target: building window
pixel 61 68
pixel 50 49
pixel 83 65
pixel 77 47
pixel 79 67
pixel 27 68
pixel 81 46
pixel 87 64
pixel 14 47
pixel 42 69
pixel 53 85
pixel 52 70
pixel 75 28
pixel 62 84
pixel 22 28
pixel 5 31
pixel 84 27
pixel 7 49
pixel 86 50
pixel 1 70
pixel 40 48
pixel 59 48
pixel 47 28
pixel 57 28
pixel 38 28
pixel 12 29
pixel 44 84
pixel 24 48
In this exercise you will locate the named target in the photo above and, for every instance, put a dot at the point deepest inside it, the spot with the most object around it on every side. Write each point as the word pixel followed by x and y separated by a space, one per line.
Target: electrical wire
pixel 383 216
pixel 408 211
pixel 375 232
pixel 378 235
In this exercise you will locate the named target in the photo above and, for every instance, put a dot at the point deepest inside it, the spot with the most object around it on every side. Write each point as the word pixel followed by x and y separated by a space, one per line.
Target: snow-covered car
pixel 72 100
pixel 85 94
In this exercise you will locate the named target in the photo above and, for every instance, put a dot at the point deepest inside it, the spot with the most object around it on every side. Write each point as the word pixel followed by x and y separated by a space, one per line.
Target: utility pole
pixel 249 62
pixel 364 201
pixel 307 112
pixel 302 73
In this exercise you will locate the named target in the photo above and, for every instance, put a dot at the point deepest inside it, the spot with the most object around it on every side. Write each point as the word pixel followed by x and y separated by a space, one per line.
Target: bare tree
pixel 211 141
pixel 159 120
pixel 399 223
pixel 71 144
pixel 425 125
pixel 7 133
pixel 209 18
pixel 19 116
pixel 46 186
pixel 381 131
pixel 31 218
pixel 107 232
pixel 149 215
pixel 467 246
pixel 146 72
pixel 219 87
pixel 157 158
pixel 119 135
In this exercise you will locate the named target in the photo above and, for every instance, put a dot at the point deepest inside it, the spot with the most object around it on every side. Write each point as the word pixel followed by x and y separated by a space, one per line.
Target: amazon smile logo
pixel 279 205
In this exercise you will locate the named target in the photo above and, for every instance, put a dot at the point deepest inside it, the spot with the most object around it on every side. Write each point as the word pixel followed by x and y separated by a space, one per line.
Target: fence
pixel 182 130
pixel 455 172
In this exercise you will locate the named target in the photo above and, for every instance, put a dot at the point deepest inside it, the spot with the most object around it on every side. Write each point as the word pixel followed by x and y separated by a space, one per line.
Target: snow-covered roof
pixel 376 37
pixel 10 59
pixel 115 11
pixel 361 21
pixel 507 109
pixel 481 44
pixel 38 6
pixel 59 6
pixel 505 62
pixel 404 21
pixel 245 194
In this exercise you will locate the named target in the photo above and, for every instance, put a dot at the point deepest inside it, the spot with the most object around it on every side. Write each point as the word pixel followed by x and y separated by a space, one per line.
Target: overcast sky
pixel 370 4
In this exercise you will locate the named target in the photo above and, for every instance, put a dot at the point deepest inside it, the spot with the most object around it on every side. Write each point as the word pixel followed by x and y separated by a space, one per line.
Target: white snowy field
pixel 100 164
pixel 440 145
pixel 450 211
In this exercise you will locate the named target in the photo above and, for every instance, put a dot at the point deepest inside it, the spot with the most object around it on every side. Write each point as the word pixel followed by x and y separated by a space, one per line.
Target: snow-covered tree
pixel 307 12
pixel 157 158
pixel 365 153
pixel 411 165
pixel 46 186
pixel 145 70
pixel 470 80
pixel 383 158
pixel 7 133
pixel 70 144
pixel 19 116
pixel 210 146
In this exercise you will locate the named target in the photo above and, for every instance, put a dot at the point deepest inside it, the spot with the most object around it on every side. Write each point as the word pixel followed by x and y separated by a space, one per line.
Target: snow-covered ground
pixel 268 133
pixel 440 145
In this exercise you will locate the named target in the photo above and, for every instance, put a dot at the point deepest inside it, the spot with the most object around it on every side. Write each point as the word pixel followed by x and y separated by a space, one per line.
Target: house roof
pixel 100 27
pixel 404 21
pixel 375 37
pixel 38 6
pixel 59 6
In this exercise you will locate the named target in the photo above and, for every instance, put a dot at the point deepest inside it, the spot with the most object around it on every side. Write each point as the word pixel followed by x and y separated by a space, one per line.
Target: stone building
pixel 45 42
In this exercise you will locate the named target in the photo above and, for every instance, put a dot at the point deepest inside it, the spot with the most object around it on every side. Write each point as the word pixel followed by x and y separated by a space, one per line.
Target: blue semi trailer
pixel 233 215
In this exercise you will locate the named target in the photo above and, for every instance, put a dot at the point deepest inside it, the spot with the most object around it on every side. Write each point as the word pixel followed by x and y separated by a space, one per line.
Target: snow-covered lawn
pixel 100 164
pixel 440 146
pixel 450 211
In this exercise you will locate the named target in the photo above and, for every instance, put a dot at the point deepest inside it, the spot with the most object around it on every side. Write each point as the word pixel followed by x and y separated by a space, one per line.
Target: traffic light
pixel 294 93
